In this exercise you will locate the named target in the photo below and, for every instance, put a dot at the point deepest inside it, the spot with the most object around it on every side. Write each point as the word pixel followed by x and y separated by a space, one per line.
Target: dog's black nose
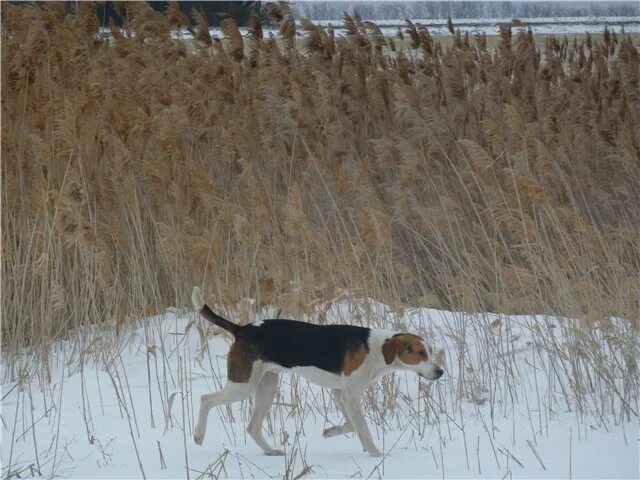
pixel 439 372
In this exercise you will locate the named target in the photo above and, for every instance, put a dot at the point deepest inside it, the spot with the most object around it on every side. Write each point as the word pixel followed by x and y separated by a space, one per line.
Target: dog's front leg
pixel 353 405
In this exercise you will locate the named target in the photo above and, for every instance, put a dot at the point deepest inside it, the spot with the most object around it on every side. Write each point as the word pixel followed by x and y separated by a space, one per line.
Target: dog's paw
pixel 274 452
pixel 374 452
pixel 198 436
pixel 332 431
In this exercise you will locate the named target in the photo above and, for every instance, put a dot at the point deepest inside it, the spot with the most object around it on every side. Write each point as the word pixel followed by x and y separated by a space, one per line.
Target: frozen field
pixel 489 26
pixel 514 403
pixel 540 25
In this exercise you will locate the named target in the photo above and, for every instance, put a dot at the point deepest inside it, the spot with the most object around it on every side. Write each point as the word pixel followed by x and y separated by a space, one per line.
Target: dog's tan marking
pixel 406 346
pixel 353 359
pixel 240 361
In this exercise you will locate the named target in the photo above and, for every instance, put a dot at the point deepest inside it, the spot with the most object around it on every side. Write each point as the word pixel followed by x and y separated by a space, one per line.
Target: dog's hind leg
pixel 232 392
pixel 265 393
pixel 347 426
pixel 243 371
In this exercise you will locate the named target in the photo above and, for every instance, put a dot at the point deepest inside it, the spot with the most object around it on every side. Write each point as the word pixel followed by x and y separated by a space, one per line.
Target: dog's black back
pixel 291 343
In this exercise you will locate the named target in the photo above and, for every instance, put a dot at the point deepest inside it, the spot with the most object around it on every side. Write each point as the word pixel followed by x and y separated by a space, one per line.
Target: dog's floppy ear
pixel 390 349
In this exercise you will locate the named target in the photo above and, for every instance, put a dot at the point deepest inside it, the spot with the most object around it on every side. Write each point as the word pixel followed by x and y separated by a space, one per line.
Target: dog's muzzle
pixel 437 373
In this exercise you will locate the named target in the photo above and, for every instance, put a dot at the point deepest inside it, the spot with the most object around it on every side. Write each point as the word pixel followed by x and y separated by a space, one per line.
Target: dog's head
pixel 409 351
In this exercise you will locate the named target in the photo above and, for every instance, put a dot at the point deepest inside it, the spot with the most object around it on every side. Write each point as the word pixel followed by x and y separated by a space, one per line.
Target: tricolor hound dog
pixel 344 358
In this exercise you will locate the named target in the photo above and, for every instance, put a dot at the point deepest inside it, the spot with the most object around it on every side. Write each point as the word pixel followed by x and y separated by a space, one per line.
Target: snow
pixel 504 408
pixel 438 26
pixel 497 21
pixel 540 25
pixel 490 26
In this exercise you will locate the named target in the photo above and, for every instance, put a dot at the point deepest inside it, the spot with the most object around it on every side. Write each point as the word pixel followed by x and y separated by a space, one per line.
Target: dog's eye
pixel 424 355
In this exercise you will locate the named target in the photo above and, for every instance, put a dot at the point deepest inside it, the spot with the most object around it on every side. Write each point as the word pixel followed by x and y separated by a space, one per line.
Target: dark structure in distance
pixel 215 11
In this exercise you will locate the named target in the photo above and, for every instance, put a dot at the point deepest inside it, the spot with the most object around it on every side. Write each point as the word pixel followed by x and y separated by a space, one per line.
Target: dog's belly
pixel 319 377
pixel 312 374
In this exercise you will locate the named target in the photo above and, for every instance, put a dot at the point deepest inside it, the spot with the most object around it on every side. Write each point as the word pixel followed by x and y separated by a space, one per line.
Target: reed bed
pixel 298 169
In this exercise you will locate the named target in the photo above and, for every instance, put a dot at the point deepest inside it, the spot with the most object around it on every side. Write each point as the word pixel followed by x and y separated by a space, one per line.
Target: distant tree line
pixel 465 9
pixel 215 11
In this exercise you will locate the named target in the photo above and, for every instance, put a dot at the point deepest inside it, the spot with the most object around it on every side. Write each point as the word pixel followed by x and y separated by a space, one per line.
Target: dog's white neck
pixel 376 341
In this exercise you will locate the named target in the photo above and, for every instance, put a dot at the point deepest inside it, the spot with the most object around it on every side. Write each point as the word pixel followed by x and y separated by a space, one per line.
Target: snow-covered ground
pixel 489 26
pixel 511 405
pixel 540 25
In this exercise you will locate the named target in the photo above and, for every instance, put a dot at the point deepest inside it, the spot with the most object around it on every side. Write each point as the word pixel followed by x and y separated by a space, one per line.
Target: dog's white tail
pixel 196 299
pixel 204 310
